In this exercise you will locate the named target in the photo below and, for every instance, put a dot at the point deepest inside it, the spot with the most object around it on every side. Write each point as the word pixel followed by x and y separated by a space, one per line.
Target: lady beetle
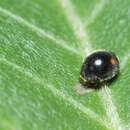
pixel 98 68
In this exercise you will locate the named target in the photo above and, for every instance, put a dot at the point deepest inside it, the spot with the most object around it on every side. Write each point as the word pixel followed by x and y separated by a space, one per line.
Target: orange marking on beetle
pixel 113 61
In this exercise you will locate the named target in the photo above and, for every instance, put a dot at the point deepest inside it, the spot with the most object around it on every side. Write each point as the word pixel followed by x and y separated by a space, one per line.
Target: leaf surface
pixel 42 46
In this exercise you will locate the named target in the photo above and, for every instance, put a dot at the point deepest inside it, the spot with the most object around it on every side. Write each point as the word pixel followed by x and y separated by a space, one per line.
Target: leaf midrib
pixel 75 22
pixel 52 37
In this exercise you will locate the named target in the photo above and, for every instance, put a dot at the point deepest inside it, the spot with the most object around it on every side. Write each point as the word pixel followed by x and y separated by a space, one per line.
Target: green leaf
pixel 42 45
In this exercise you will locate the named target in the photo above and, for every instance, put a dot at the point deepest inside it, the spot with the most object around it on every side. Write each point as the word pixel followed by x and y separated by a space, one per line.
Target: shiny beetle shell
pixel 98 68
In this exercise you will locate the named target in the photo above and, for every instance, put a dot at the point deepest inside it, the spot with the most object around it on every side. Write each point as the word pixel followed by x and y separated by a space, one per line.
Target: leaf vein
pixel 111 109
pixel 76 23
pixel 40 31
pixel 96 11
pixel 79 30
pixel 57 93
pixel 109 106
